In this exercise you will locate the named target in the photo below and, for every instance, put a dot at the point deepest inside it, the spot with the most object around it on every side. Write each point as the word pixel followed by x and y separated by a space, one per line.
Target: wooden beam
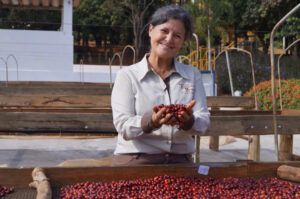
pixel 55 3
pixel 25 2
pixel 59 176
pixel 53 84
pixel 54 101
pixel 102 122
pixel 72 97
pixel 254 148
pixel 15 2
pixel 253 125
pixel 230 101
pixel 35 2
pixel 240 112
pixel 285 147
pixel 76 3
pixel 5 2
pixel 55 122
pixel 45 3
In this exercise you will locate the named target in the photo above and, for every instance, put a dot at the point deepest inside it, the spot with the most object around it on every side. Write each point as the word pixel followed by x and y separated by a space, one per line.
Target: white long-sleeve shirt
pixel 137 89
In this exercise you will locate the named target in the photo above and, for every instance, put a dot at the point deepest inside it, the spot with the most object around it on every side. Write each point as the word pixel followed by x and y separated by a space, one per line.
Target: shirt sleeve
pixel 126 122
pixel 201 113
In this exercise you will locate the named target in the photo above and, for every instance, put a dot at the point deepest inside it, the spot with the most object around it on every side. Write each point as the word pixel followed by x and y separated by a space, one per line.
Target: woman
pixel 148 134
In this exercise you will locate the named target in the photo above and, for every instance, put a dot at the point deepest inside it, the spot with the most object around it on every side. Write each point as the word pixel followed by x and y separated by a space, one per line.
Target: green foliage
pixel 215 14
pixel 290 90
pixel 262 15
pixel 30 19
pixel 93 17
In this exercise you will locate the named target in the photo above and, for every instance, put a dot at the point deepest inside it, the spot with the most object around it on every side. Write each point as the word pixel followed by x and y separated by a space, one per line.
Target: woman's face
pixel 166 39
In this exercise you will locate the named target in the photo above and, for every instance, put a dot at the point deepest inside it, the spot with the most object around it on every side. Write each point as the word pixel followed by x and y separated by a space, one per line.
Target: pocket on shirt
pixel 186 88
pixel 186 93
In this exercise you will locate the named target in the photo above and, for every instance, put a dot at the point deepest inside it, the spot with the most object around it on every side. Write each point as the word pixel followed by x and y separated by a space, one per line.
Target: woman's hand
pixel 160 117
pixel 186 118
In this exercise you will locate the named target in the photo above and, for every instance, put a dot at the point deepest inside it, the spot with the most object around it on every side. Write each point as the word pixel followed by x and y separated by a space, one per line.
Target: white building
pixel 32 55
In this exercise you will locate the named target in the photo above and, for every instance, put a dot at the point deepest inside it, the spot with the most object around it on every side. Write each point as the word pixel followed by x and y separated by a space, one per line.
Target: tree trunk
pixel 235 37
pixel 265 44
pixel 138 14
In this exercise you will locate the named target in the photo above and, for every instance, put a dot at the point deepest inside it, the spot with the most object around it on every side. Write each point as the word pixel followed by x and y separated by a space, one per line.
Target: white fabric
pixel 137 89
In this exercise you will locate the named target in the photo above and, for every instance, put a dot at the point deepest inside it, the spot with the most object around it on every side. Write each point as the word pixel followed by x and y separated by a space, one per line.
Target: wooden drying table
pixel 20 178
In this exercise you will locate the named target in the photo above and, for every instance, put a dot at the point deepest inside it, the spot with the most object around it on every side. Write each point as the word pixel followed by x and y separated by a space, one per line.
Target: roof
pixel 36 4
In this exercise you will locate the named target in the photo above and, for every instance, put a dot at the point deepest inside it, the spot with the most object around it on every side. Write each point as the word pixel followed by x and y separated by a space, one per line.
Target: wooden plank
pixel 45 84
pixel 240 112
pixel 230 101
pixel 63 176
pixel 102 122
pixel 44 101
pixel 55 122
pixel 54 91
pixel 214 143
pixel 285 147
pixel 57 109
pixel 253 125
pixel 88 98
pixel 254 148
pixel 290 112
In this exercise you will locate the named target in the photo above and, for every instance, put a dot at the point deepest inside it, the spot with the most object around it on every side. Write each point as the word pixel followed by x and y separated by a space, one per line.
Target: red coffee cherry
pixel 5 190
pixel 184 187
pixel 174 109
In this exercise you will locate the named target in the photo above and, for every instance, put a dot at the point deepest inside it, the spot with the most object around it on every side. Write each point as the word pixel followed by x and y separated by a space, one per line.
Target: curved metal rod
pixel 197 48
pixel 252 68
pixel 278 69
pixel 123 52
pixel 6 68
pixel 229 72
pixel 273 75
pixel 12 56
pixel 197 138
pixel 81 71
pixel 110 63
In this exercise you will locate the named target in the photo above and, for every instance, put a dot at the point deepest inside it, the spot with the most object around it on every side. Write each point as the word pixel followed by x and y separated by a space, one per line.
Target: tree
pixel 30 19
pixel 138 11
pixel 218 15
pixel 262 15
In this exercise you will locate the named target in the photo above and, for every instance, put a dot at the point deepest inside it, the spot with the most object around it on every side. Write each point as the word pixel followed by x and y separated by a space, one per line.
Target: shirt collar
pixel 145 68
pixel 179 67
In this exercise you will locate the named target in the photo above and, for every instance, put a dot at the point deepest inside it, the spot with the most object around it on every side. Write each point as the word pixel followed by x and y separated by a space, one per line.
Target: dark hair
pixel 168 12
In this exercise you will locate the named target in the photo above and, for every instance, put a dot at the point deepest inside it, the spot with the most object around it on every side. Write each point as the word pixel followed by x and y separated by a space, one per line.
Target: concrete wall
pixel 41 55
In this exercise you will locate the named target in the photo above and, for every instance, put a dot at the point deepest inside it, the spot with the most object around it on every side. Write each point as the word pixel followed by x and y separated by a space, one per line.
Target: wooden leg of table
pixel 285 147
pixel 214 143
pixel 254 148
pixel 197 152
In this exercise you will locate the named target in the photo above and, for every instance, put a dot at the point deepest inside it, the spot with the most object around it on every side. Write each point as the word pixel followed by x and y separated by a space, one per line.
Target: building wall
pixel 41 55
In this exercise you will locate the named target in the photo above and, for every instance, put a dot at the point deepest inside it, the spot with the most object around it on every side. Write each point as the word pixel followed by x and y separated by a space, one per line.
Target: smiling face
pixel 166 39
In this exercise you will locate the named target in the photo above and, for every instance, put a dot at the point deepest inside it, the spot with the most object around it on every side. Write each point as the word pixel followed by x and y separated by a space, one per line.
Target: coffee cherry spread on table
pixel 5 190
pixel 169 187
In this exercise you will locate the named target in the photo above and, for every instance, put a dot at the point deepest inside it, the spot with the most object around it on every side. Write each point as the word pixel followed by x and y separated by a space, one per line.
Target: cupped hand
pixel 160 117
pixel 186 115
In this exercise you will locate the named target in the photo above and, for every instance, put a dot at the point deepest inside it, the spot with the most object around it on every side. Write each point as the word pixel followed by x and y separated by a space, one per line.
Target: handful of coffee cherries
pixel 174 109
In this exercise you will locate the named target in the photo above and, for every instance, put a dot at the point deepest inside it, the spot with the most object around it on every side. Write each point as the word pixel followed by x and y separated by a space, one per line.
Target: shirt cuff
pixel 189 124
pixel 146 123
